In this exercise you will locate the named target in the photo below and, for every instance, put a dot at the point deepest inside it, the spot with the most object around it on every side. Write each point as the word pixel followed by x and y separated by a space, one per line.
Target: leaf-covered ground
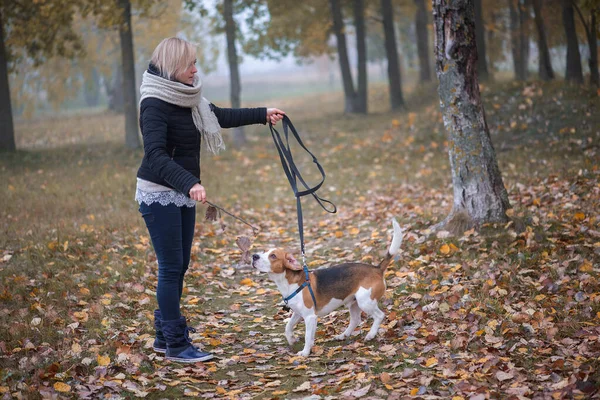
pixel 512 311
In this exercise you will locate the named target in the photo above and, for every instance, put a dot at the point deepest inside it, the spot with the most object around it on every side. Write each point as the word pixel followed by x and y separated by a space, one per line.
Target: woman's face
pixel 187 76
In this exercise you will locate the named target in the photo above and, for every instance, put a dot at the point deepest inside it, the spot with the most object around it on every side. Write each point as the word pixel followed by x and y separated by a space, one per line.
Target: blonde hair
pixel 172 56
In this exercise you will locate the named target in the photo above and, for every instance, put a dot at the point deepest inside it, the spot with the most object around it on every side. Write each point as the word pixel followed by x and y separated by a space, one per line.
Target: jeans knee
pixel 170 272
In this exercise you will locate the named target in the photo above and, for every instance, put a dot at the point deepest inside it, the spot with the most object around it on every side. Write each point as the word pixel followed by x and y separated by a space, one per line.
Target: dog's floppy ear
pixel 291 263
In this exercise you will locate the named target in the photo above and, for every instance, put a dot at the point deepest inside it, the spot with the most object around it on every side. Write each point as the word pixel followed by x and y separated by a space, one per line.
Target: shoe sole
pixel 159 350
pixel 188 360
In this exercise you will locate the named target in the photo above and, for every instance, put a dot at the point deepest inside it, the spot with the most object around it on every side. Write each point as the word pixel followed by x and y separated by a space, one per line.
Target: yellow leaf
pixel 458 398
pixel 66 245
pixel 279 392
pixel 76 348
pixel 11 188
pixel 103 361
pixel 214 342
pixel 445 249
pixel 52 245
pixel 258 320
pixel 480 332
pixel 540 297
pixel 261 291
pixel 586 266
pixel 84 291
pixel 395 123
pixel 339 234
pixel 413 392
pixel 220 390
pixel 81 315
pixel 579 216
pixel 62 387
pixel 247 282
pixel 249 351
pixel 354 231
pixel 430 362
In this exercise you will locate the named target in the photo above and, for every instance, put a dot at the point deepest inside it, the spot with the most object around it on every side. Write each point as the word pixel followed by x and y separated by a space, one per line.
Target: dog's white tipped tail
pixel 394 247
pixel 396 239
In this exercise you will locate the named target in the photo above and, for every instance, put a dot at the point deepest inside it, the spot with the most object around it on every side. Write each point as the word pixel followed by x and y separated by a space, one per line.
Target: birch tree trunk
pixel 545 65
pixel 132 139
pixel 239 137
pixel 7 132
pixel 479 193
pixel 393 66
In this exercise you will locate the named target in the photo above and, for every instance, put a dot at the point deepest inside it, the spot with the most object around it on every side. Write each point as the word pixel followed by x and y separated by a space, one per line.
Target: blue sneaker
pixel 179 344
pixel 189 354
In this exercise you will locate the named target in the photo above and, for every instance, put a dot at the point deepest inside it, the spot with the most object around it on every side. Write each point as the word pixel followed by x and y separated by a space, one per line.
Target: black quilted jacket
pixel 172 142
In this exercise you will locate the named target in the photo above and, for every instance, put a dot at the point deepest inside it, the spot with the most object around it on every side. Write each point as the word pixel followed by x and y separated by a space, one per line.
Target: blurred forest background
pixel 90 54
pixel 506 307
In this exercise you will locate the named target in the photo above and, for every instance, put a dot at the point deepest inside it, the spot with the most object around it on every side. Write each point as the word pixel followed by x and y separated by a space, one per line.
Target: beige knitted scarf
pixel 190 97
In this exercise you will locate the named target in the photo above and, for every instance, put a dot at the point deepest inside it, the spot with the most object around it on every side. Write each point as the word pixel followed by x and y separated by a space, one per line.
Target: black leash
pixel 255 230
pixel 293 175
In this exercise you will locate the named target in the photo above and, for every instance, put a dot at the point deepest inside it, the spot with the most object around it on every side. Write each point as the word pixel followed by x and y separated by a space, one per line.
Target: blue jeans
pixel 171 230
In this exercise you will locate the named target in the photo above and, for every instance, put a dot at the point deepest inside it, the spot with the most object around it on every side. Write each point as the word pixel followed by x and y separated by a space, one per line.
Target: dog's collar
pixel 304 284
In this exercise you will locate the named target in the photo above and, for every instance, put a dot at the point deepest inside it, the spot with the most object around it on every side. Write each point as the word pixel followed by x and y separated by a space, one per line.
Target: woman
pixel 174 120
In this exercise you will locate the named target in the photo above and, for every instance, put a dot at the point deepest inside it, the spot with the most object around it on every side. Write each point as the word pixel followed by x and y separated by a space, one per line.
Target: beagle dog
pixel 357 286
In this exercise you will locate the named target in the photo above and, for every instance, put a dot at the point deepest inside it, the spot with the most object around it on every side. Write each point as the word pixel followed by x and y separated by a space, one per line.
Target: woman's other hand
pixel 274 115
pixel 198 193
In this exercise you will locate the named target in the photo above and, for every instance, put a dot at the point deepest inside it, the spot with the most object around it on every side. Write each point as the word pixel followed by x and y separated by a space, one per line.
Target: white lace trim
pixel 164 198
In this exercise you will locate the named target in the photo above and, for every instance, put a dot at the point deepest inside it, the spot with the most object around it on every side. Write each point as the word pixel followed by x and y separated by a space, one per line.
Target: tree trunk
pixel 393 66
pixel 114 88
pixel 479 193
pixel 524 6
pixel 7 132
pixel 338 28
pixel 494 41
pixel 239 137
pixel 545 65
pixel 593 61
pixel 515 44
pixel 422 41
pixel 590 31
pixel 132 139
pixel 482 69
pixel 361 49
pixel 91 88
pixel 574 72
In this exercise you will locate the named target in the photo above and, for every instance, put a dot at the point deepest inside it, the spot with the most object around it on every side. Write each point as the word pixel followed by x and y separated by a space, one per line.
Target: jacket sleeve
pixel 234 117
pixel 153 123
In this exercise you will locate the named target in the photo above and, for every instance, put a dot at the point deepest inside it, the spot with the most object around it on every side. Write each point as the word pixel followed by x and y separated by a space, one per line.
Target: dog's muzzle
pixel 255 258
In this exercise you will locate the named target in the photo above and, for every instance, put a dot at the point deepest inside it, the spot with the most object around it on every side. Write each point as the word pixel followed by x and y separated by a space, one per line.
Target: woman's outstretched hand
pixel 274 115
pixel 198 193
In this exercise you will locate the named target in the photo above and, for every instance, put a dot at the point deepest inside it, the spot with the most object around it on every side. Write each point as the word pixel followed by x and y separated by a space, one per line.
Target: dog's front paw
pixel 340 337
pixel 291 340
pixel 303 353
pixel 369 337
